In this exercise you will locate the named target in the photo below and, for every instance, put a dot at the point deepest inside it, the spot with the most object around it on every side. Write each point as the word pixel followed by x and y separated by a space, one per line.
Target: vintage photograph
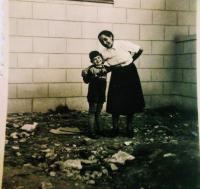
pixel 99 94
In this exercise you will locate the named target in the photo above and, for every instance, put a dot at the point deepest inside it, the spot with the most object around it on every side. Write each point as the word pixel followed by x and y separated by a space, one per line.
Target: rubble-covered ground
pixel 53 151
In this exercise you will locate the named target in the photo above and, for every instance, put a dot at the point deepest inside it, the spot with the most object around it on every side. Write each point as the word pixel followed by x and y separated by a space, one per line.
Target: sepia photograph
pixel 99 94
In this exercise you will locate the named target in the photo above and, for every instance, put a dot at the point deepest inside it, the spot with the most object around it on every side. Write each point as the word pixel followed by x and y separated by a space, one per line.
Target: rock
pixel 120 157
pixel 85 161
pixel 46 185
pixel 29 127
pixel 52 173
pixel 90 182
pixel 14 135
pixel 113 167
pixel 127 143
pixel 20 187
pixel 65 130
pixel 71 163
pixel 169 155
pixel 15 147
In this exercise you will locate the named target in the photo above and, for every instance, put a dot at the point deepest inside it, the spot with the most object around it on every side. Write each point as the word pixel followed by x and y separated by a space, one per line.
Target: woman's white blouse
pixel 120 53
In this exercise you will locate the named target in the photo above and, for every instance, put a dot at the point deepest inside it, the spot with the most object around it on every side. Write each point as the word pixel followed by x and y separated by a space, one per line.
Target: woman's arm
pixel 137 54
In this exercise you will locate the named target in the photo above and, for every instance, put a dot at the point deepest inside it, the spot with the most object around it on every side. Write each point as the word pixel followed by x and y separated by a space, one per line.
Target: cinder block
pixel 44 104
pixel 49 45
pixel 112 15
pixel 189 75
pixel 29 60
pixel 187 18
pixel 49 11
pixel 177 4
pixel 74 75
pixel 65 61
pixel 12 26
pixel 19 9
pixel 84 89
pixel 91 30
pixel 190 47
pixel 126 31
pixel 145 45
pixel 139 16
pixel 170 88
pixel 153 4
pixel 192 30
pixel 178 75
pixel 12 91
pixel 189 103
pixel 20 44
pixel 161 100
pixel 127 3
pixel 65 90
pixel 151 61
pixel 151 32
pixel 170 61
pixel 173 32
pixel 65 29
pixel 19 105
pixel 184 61
pixel 193 92
pixel 144 74
pixel 81 45
pixel 180 48
pixel 81 13
pixel 165 17
pixel 49 75
pixel 147 100
pixel 163 47
pixel 32 27
pixel 152 88
pixel 32 90
pixel 187 89
pixel 163 74
pixel 20 76
pixel 194 60
pixel 85 61
pixel 13 60
pixel 77 103
pixel 193 5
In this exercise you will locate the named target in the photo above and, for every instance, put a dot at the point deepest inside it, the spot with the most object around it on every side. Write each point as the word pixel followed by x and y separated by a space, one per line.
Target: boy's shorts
pixel 95 108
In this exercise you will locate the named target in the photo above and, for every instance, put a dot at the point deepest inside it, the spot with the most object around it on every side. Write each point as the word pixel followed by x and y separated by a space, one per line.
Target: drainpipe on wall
pixel 3 78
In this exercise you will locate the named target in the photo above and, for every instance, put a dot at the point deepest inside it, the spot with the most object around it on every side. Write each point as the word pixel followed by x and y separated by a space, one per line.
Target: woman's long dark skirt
pixel 125 94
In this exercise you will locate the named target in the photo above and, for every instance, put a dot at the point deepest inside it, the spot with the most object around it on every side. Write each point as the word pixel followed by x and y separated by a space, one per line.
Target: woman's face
pixel 106 41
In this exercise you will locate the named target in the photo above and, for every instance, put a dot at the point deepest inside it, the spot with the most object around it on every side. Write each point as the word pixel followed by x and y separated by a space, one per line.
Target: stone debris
pixel 29 127
pixel 71 163
pixel 169 155
pixel 127 143
pixel 113 167
pixel 120 157
pixel 65 130
pixel 14 135
pixel 46 185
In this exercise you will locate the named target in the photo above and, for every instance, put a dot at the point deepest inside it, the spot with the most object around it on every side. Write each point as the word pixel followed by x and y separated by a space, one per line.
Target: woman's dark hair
pixel 107 33
pixel 94 54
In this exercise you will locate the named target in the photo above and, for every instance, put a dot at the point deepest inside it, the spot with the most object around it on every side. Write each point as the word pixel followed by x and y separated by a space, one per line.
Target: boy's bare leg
pixel 129 126
pixel 115 121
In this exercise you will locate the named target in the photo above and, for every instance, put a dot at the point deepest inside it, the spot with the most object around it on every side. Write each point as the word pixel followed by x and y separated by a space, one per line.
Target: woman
pixel 125 95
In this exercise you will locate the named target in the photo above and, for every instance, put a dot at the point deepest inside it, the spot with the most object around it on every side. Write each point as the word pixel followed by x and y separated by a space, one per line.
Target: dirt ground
pixel 58 153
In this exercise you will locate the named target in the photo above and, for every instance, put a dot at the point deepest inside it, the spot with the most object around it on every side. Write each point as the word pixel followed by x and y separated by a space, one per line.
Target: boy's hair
pixel 107 33
pixel 94 54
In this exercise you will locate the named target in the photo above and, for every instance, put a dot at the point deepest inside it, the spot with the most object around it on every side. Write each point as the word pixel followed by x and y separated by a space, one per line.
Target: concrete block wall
pixel 186 83
pixel 50 41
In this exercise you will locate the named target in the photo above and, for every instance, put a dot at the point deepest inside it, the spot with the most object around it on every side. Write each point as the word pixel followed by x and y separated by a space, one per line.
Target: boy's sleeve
pixel 85 74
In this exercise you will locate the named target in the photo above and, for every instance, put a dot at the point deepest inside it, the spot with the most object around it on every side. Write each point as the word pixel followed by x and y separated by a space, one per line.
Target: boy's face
pixel 106 41
pixel 97 60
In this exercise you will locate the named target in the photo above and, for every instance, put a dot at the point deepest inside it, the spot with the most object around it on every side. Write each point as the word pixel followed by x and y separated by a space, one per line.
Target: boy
pixel 95 75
